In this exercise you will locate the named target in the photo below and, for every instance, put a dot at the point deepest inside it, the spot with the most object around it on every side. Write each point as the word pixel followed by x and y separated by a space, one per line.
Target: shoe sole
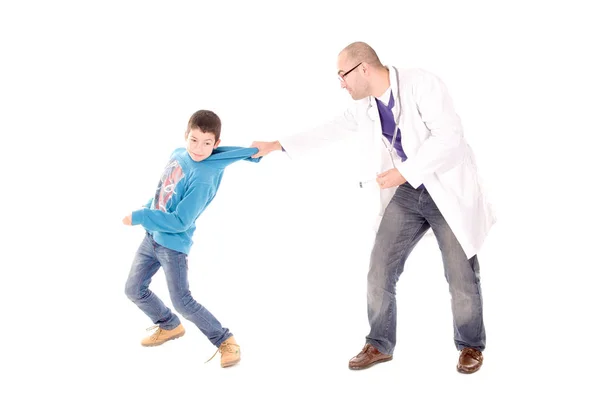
pixel 370 365
pixel 164 341
pixel 230 364
pixel 466 371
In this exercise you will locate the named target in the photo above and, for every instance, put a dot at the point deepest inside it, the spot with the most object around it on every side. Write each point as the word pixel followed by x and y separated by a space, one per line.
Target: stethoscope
pixel 389 147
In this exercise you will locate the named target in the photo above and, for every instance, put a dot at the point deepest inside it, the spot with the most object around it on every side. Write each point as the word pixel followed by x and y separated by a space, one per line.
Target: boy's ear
pixel 217 143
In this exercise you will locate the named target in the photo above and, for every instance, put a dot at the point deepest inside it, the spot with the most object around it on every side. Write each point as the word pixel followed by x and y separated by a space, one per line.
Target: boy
pixel 187 186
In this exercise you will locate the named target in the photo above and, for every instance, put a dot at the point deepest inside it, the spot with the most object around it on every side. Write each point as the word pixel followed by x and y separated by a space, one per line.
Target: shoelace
pixel 473 353
pixel 224 347
pixel 158 329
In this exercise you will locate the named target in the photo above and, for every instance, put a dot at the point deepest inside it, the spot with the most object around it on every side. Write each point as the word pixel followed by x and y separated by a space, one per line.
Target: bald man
pixel 426 178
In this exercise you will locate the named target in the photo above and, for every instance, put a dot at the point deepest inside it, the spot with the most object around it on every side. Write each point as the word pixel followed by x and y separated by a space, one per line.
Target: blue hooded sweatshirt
pixel 185 189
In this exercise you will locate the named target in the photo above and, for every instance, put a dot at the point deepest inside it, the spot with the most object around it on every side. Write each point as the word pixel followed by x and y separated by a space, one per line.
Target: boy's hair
pixel 207 121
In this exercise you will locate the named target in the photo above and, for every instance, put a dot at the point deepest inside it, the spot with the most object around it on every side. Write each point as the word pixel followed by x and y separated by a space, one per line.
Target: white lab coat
pixel 432 138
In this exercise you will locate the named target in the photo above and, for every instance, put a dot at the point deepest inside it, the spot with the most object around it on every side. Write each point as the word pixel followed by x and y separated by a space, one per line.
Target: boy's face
pixel 200 145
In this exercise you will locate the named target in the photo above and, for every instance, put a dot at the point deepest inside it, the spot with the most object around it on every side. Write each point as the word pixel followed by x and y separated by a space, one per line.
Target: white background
pixel 95 95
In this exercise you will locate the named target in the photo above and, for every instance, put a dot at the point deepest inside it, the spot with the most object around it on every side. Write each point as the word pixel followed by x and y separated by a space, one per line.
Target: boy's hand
pixel 127 220
pixel 265 148
pixel 390 178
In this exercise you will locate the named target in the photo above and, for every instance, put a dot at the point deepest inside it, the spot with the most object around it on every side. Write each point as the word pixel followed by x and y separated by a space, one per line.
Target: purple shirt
pixel 387 127
pixel 388 124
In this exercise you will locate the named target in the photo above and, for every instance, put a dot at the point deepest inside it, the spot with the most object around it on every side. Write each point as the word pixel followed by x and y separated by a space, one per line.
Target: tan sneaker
pixel 162 335
pixel 230 353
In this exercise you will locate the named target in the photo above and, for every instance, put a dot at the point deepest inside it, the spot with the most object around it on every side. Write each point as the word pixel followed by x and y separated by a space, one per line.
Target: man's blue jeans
pixel 148 259
pixel 406 219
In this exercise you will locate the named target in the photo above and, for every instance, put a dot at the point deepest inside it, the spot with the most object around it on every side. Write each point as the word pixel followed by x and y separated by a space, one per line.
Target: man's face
pixel 199 144
pixel 352 77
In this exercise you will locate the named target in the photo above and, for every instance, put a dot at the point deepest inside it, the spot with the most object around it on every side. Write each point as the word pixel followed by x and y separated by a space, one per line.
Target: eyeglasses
pixel 343 76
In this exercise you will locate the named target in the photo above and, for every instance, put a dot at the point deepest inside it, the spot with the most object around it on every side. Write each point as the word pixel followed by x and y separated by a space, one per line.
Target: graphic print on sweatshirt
pixel 166 187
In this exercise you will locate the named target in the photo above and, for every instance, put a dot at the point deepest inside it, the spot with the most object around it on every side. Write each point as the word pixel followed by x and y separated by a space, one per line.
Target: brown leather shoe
pixel 469 361
pixel 367 357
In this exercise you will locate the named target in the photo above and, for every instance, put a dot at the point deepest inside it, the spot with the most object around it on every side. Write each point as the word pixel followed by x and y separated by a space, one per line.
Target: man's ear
pixel 217 143
pixel 366 68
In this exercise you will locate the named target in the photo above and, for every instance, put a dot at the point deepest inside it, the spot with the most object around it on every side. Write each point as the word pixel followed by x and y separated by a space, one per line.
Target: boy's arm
pixel 227 155
pixel 186 212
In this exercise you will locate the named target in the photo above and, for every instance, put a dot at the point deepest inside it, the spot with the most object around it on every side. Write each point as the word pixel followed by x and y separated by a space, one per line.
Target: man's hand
pixel 390 178
pixel 265 148
pixel 127 220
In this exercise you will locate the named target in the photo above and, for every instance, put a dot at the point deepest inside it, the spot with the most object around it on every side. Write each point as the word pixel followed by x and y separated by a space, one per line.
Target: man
pixel 410 134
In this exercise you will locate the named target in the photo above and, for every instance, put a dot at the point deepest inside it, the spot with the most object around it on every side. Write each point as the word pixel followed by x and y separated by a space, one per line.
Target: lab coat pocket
pixel 461 182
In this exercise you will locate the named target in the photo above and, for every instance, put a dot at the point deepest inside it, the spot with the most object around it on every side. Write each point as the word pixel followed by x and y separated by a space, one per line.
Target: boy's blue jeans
pixel 409 215
pixel 148 259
